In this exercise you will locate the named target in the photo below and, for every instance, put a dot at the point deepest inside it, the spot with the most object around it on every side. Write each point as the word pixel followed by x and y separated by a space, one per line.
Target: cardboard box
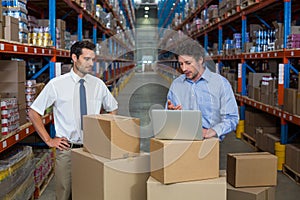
pixel 261 139
pixel 11 28
pixel 1 29
pixel 212 189
pixel 295 30
pixel 271 140
pixel 251 169
pixel 292 157
pixel 255 78
pixel 250 193
pixel 253 28
pixel 247 46
pixel 250 91
pixel 97 178
pixel 16 90
pixel 178 161
pixel 12 71
pixel 111 136
pixel 298 102
pixel 260 119
pixel 257 93
pixel 250 129
pixel 23 115
pixel 290 100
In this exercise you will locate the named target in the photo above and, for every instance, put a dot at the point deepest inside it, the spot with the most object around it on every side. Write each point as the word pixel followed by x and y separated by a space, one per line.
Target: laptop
pixel 177 124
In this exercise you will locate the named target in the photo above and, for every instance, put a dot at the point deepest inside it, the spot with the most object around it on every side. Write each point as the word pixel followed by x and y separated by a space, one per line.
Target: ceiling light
pixel 146 16
pixel 146 8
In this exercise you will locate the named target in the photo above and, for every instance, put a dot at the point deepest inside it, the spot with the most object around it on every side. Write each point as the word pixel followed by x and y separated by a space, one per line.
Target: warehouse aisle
pixel 148 90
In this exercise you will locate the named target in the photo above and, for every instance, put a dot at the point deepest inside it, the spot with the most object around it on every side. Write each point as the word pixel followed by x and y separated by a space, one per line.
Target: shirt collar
pixel 75 77
pixel 207 74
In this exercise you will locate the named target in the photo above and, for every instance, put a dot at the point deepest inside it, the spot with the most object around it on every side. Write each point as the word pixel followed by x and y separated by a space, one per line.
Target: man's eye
pixel 86 59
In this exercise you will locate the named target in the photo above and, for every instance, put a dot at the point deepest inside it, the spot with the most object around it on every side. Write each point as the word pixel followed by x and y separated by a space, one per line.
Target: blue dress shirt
pixel 212 95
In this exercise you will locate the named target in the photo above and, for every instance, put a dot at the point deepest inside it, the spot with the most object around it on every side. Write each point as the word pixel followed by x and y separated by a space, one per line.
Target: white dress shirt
pixel 63 93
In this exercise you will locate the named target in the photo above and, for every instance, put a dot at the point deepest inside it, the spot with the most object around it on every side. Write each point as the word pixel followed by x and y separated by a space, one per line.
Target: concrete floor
pixel 148 90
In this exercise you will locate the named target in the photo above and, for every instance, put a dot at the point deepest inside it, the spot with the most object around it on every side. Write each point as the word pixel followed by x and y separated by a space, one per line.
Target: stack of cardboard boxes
pixel 292 160
pixel 10 28
pixel 12 76
pixel 251 176
pixel 110 166
pixel 258 119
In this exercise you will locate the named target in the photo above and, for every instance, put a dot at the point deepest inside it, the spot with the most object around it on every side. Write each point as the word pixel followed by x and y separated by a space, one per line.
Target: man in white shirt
pixel 63 93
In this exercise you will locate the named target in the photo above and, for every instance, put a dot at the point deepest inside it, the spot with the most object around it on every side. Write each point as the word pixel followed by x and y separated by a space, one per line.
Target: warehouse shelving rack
pixel 118 67
pixel 216 28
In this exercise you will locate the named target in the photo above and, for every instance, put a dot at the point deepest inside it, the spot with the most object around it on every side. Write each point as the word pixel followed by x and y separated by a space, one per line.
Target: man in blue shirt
pixel 198 88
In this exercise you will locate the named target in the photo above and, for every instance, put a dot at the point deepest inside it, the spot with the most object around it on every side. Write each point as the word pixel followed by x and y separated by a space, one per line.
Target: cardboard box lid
pixel 254 155
pixel 109 117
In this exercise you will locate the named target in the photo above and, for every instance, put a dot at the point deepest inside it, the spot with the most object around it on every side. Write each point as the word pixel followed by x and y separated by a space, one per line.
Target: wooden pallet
pixel 291 173
pixel 247 3
pixel 39 189
pixel 249 140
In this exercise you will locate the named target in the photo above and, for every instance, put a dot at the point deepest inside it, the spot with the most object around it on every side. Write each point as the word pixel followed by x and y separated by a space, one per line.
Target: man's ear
pixel 74 57
pixel 200 60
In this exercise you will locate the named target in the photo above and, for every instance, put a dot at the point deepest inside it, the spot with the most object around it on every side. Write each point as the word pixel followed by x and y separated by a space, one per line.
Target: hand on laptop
pixel 172 107
pixel 209 133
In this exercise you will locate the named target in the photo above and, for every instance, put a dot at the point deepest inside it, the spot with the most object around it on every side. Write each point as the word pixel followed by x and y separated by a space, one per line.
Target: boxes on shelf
pixel 12 77
pixel 292 157
pixel 298 100
pixel 111 136
pixel 100 178
pixel 295 30
pixel 261 165
pixel 248 46
pixel 11 28
pixel 254 79
pixel 214 189
pixel 1 29
pixel 16 90
pixel 256 118
pixel 12 71
pixel 178 161
pixel 250 193
pixel 290 100
pixel 10 119
pixel 266 141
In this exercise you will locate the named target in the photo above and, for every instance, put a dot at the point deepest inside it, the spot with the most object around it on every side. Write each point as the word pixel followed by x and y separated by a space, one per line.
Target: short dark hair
pixel 190 48
pixel 78 46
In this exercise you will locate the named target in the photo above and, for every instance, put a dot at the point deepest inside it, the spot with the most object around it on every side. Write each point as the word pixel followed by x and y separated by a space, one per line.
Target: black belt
pixel 75 146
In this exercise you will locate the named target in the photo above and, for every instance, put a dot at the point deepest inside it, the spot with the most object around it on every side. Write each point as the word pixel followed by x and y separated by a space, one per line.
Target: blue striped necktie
pixel 83 107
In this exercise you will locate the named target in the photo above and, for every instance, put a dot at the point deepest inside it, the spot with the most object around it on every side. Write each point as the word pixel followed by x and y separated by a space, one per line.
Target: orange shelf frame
pixel 295 119
pixel 23 131
pixel 10 47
